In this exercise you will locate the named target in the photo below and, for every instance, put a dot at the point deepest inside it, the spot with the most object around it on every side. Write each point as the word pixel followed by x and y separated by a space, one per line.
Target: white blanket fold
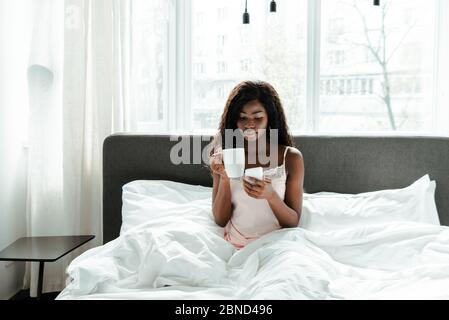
pixel 187 258
pixel 170 248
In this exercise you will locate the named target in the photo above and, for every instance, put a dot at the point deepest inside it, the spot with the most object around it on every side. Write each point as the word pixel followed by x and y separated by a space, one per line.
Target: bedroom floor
pixel 25 295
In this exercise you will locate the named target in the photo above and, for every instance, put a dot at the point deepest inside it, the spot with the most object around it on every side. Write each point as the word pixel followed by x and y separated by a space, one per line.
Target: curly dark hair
pixel 248 91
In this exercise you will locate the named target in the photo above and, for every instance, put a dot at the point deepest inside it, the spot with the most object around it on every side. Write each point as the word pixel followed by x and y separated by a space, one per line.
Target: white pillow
pixel 144 200
pixel 327 211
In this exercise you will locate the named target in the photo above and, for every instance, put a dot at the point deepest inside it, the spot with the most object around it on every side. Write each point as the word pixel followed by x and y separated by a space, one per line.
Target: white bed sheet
pixel 182 255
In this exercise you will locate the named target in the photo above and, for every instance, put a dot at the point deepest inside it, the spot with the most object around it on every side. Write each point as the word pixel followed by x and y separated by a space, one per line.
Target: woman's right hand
pixel 216 165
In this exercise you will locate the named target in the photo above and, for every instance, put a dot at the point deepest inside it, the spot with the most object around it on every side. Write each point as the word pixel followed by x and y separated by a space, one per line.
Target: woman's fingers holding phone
pixel 254 186
pixel 249 190
pixel 254 181
pixel 259 189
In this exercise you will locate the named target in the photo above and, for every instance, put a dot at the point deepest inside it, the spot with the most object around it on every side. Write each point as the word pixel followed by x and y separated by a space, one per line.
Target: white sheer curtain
pixel 77 86
pixel 14 43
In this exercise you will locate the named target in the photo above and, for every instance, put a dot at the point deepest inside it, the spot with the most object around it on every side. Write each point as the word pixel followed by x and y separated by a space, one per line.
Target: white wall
pixel 13 157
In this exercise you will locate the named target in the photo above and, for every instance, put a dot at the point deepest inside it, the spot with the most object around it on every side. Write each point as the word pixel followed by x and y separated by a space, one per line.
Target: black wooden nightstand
pixel 42 249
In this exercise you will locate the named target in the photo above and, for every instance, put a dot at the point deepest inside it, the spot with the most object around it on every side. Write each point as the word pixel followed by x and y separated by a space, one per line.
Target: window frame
pixel 180 69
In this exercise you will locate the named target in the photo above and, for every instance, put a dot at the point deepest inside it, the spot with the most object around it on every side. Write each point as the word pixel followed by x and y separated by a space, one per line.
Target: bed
pixel 179 253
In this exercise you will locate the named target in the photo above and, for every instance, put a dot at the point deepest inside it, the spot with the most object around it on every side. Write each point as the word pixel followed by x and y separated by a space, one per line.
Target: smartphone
pixel 255 173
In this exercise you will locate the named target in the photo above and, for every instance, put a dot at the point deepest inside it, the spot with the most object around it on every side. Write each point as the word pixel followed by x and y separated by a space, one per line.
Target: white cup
pixel 255 173
pixel 234 162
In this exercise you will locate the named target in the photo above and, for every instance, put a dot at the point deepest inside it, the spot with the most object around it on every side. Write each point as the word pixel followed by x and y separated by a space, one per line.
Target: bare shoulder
pixel 294 161
pixel 293 155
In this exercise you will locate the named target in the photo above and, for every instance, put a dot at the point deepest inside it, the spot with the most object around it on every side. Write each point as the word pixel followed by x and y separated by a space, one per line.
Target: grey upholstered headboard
pixel 332 163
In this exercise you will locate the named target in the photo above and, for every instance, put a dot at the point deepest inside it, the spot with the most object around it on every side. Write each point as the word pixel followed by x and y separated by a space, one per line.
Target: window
pixel 341 87
pixel 199 18
pixel 336 57
pixel 201 47
pixel 245 65
pixel 221 44
pixel 406 37
pixel 363 87
pixel 244 36
pixel 349 87
pixel 370 86
pixel 375 71
pixel 335 29
pixel 260 50
pixel 220 92
pixel 148 74
pixel 222 67
pixel 221 40
pixel 199 68
pixel 222 13
pixel 201 94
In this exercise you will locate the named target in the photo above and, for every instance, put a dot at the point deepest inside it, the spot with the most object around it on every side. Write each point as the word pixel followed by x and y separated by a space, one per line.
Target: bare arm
pixel 221 195
pixel 288 211
pixel 221 200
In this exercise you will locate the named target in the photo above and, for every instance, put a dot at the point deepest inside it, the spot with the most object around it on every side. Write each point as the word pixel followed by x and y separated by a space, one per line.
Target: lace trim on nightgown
pixel 274 173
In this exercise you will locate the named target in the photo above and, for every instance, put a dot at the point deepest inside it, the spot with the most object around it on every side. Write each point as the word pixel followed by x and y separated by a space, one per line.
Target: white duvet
pixel 182 255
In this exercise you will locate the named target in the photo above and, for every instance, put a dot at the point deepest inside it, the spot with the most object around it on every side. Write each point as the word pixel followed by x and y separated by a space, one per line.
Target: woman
pixel 249 208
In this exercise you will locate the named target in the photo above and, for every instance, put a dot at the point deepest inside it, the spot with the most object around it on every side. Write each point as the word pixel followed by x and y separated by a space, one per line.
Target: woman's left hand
pixel 258 189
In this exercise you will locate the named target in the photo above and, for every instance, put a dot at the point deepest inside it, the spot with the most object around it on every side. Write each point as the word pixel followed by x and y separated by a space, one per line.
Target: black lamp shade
pixel 376 2
pixel 246 18
pixel 273 6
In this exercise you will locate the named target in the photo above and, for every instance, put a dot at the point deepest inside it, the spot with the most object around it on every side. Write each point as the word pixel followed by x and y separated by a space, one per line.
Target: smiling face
pixel 252 119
